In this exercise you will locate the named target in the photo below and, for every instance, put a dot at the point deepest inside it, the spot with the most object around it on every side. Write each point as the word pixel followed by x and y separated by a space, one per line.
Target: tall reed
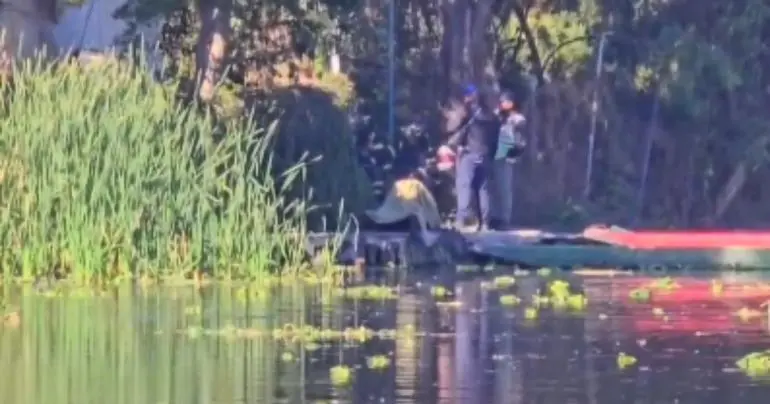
pixel 103 173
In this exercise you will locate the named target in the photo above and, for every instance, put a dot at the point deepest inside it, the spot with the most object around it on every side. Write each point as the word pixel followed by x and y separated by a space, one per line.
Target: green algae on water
pixel 640 295
pixel 439 291
pixel 755 365
pixel 502 282
pixel 509 300
pixel 530 313
pixel 341 376
pixel 625 361
pixel 369 292
pixel 378 362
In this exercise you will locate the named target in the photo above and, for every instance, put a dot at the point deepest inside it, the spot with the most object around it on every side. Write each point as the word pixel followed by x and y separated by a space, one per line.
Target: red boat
pixel 602 247
pixel 690 240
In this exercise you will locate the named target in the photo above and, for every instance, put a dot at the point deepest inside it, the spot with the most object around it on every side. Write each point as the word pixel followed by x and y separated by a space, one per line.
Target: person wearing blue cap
pixel 474 140
pixel 510 145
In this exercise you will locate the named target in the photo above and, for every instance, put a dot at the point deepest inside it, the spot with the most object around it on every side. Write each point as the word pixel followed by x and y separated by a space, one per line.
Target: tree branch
pixel 537 64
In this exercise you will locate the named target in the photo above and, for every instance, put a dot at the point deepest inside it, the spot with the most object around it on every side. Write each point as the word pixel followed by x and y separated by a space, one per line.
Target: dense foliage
pixel 103 174
pixel 674 100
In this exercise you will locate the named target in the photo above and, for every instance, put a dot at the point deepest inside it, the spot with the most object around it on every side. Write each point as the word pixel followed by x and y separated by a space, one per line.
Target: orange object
pixel 446 158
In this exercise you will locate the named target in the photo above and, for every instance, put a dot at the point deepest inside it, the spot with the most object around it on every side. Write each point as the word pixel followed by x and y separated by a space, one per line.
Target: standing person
pixel 510 145
pixel 473 142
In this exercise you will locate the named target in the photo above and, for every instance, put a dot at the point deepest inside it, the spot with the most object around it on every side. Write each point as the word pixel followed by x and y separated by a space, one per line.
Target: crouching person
pixel 510 145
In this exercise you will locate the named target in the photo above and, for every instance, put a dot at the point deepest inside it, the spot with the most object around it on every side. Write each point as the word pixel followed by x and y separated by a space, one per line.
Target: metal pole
pixel 594 117
pixel 392 72
pixel 651 129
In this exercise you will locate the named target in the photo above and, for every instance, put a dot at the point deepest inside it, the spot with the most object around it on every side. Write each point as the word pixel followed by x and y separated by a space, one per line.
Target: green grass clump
pixel 104 174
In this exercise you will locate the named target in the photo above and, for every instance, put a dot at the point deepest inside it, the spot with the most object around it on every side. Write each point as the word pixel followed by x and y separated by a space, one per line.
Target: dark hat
pixel 470 90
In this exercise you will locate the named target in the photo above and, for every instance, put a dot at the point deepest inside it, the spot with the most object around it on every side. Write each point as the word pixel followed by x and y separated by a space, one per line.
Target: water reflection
pixel 172 346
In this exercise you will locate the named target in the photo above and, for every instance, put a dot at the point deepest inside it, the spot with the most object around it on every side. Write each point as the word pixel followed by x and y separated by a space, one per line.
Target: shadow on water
pixel 228 344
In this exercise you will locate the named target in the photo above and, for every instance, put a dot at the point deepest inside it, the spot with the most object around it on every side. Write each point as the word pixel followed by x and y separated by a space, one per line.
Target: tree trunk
pixel 466 52
pixel 537 64
pixel 467 48
pixel 211 48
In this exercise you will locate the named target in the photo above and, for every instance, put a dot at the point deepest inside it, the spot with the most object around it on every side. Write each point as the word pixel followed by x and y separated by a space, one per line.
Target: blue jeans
pixel 503 192
pixel 472 185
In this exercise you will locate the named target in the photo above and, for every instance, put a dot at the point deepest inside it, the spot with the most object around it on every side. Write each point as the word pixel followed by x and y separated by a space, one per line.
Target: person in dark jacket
pixel 475 141
pixel 510 145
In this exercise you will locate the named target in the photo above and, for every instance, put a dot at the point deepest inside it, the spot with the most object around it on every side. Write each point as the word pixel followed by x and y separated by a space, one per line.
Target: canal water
pixel 438 341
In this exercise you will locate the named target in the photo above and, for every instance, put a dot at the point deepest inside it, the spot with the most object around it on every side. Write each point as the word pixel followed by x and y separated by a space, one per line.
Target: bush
pixel 102 174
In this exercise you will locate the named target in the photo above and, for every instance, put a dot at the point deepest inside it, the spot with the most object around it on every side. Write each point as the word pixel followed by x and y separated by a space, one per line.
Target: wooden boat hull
pixel 595 247
pixel 604 256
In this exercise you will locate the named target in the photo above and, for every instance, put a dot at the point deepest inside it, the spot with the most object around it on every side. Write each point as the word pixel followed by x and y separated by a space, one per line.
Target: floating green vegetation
pixel 378 362
pixel 503 282
pixel 625 361
pixel 368 292
pixel 561 297
pixel 559 288
pixel 544 272
pixel 539 300
pixel 309 336
pixel 640 295
pixel 306 335
pixel 577 302
pixel 312 334
pixel 341 376
pixel 439 292
pixel 311 346
pixel 119 181
pixel 530 313
pixel 755 365
pixel 509 300
pixel 288 357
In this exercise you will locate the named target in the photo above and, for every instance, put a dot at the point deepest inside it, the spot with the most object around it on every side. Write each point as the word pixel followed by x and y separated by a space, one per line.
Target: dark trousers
pixel 502 192
pixel 472 185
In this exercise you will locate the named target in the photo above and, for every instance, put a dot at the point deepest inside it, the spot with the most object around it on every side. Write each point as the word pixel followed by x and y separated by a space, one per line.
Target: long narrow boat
pixel 672 240
pixel 619 248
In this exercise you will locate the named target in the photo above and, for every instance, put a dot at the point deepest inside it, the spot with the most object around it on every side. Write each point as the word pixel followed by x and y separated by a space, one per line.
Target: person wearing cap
pixel 510 145
pixel 473 143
